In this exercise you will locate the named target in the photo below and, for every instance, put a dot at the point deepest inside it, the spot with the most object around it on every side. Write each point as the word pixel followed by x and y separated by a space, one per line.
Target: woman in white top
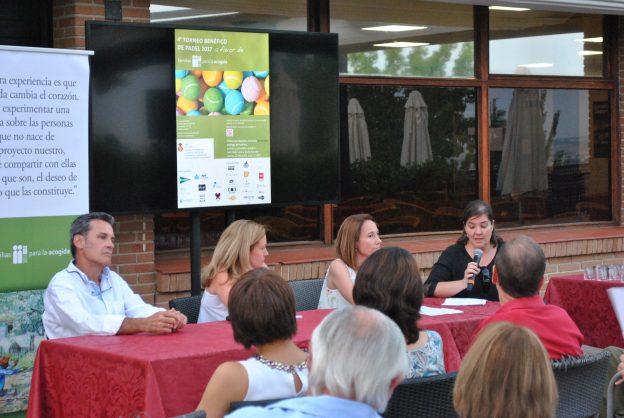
pixel 279 368
pixel 358 237
pixel 241 247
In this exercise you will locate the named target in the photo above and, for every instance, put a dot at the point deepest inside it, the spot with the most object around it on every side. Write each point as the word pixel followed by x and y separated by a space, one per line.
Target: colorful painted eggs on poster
pixel 234 102
pixel 212 78
pixel 213 100
pixel 248 108
pixel 187 105
pixel 224 89
pixel 200 93
pixel 190 87
pixel 233 79
pixel 262 108
pixel 251 89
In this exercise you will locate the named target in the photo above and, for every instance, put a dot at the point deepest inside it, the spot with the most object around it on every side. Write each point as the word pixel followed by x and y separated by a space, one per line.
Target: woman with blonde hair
pixel 241 247
pixel 506 373
pixel 358 237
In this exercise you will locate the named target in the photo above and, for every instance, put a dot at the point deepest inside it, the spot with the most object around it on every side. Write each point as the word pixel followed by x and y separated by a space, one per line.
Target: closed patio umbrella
pixel 416 143
pixel 523 163
pixel 359 145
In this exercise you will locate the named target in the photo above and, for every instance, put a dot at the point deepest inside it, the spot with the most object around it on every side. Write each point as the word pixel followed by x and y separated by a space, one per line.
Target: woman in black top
pixel 450 274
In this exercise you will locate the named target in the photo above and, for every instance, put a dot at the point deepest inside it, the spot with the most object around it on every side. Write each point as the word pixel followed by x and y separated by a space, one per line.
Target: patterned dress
pixel 427 360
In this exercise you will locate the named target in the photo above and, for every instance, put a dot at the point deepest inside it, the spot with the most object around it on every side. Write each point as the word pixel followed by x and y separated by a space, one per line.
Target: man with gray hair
pixel 519 275
pixel 357 359
pixel 87 298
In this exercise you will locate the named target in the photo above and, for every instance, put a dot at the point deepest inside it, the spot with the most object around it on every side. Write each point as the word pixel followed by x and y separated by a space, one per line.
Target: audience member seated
pixel 241 247
pixel 262 314
pixel 616 365
pixel 506 374
pixel 389 281
pixel 358 237
pixel 87 298
pixel 518 275
pixel 456 274
pixel 357 359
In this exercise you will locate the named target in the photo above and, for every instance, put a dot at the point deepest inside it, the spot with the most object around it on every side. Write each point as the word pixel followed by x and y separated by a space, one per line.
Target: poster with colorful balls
pixel 222 94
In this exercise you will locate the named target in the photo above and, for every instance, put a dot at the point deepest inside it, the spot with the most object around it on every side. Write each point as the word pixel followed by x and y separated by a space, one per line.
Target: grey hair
pixel 356 353
pixel 82 224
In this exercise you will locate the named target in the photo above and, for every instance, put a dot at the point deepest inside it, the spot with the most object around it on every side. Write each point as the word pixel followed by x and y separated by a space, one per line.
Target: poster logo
pixel 20 254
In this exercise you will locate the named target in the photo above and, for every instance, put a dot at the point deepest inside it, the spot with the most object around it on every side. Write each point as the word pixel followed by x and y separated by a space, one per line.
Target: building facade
pixel 441 103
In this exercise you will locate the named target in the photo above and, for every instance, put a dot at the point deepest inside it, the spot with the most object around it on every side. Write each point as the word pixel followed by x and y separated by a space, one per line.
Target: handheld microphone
pixel 478 253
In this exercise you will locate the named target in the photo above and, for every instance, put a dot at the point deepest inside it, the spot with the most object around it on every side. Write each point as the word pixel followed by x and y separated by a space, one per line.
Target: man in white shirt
pixel 87 298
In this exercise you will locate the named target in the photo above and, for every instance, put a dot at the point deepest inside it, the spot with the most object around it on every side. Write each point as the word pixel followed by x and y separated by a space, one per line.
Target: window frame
pixel 483 81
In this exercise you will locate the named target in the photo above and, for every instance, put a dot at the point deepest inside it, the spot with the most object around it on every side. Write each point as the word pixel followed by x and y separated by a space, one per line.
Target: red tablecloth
pixel 164 376
pixel 586 301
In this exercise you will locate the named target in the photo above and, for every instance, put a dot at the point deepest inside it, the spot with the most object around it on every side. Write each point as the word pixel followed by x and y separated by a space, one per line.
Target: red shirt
pixel 552 324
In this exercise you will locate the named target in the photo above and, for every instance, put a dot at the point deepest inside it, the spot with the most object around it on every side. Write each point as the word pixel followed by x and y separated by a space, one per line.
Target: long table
pixel 163 376
pixel 587 303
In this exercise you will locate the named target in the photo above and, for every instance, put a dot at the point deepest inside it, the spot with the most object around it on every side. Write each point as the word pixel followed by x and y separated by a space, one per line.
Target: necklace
pixel 285 367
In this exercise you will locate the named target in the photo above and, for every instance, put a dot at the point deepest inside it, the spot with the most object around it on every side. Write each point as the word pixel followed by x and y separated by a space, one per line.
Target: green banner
pixel 32 250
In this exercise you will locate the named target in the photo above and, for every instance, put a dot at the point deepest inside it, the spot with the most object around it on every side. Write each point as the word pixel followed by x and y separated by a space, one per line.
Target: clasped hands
pixel 166 322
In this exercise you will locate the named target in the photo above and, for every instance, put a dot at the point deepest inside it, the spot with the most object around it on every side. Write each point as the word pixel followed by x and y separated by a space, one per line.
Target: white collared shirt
pixel 75 305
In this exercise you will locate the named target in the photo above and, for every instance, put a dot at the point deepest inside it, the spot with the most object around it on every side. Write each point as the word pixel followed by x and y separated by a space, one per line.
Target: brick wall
pixel 69 17
pixel 134 252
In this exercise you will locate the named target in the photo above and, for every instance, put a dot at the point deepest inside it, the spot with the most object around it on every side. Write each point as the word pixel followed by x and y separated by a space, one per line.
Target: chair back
pixel 307 293
pixel 189 306
pixel 423 397
pixel 242 404
pixel 195 414
pixel 610 389
pixel 581 382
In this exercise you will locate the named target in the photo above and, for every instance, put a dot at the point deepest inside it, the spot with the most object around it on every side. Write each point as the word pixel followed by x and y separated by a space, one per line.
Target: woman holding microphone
pixel 465 268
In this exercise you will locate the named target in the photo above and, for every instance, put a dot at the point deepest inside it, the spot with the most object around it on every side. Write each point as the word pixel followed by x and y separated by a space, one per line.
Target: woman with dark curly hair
pixel 389 282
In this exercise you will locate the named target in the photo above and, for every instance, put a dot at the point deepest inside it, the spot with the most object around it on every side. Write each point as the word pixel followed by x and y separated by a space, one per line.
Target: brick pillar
pixel 134 251
pixel 69 18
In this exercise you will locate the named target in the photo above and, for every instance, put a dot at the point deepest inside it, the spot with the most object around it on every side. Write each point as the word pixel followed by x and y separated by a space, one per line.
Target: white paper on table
pixel 616 294
pixel 463 302
pixel 426 310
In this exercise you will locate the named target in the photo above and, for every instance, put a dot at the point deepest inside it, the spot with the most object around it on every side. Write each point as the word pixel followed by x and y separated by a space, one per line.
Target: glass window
pixel 546 43
pixel 173 230
pixel 285 224
pixel 422 39
pixel 411 161
pixel 268 14
pixel 549 155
